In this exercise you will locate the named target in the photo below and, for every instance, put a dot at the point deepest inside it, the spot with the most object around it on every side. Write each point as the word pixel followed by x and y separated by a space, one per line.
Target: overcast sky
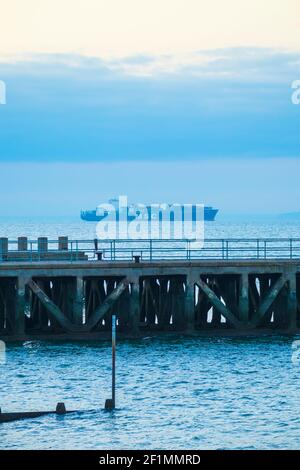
pixel 159 100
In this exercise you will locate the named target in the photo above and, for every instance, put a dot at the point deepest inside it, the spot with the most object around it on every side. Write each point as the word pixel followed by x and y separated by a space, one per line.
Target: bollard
pixel 99 255
pixel 22 243
pixel 137 258
pixel 3 249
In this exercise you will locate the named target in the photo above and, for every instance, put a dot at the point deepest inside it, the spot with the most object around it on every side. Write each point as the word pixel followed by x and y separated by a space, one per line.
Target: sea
pixel 172 392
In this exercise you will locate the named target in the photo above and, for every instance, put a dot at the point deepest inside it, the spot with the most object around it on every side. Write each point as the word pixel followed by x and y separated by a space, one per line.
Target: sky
pixel 60 188
pixel 172 100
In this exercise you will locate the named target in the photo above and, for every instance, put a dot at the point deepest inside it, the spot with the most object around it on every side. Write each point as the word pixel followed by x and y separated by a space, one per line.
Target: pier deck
pixel 69 298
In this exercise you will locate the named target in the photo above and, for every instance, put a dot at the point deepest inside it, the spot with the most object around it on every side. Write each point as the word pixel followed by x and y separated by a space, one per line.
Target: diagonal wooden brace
pixel 107 304
pixel 216 302
pixel 268 300
pixel 52 309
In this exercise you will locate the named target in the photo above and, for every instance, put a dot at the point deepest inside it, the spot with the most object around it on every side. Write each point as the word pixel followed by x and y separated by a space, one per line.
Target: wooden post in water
pixel 110 403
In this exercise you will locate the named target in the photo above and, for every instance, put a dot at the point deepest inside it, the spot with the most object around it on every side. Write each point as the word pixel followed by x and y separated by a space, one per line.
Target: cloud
pixel 242 63
pixel 225 103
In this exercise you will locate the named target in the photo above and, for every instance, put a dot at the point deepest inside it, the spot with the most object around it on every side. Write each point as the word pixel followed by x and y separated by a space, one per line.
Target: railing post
pixel 31 254
pixel 291 248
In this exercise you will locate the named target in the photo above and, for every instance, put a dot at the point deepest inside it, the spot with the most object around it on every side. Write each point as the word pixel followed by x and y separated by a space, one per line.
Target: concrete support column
pixel 134 308
pixel 189 304
pixel 78 301
pixel 292 307
pixel 21 306
pixel 244 297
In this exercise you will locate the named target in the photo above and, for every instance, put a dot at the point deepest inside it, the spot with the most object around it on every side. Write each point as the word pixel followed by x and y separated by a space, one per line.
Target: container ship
pixel 132 212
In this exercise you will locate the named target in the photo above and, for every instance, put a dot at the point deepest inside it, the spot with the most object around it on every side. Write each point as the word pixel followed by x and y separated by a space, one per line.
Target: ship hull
pixel 91 215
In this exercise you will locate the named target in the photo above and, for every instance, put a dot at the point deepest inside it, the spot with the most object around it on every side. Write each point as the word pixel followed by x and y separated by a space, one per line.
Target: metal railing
pixel 44 249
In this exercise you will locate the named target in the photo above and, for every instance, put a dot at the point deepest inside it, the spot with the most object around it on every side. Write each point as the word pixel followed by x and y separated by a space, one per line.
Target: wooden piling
pixel 21 306
pixel 78 293
pixel 244 298
pixel 292 303
pixel 189 304
pixel 134 309
pixel 110 403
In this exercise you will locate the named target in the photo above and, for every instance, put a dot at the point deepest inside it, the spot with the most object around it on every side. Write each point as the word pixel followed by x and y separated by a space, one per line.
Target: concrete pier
pixel 74 299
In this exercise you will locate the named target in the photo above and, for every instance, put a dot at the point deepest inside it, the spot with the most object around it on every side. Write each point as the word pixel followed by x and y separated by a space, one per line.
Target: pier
pixel 69 289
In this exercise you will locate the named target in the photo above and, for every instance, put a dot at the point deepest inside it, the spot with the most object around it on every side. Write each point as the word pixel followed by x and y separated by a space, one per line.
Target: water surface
pixel 184 393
